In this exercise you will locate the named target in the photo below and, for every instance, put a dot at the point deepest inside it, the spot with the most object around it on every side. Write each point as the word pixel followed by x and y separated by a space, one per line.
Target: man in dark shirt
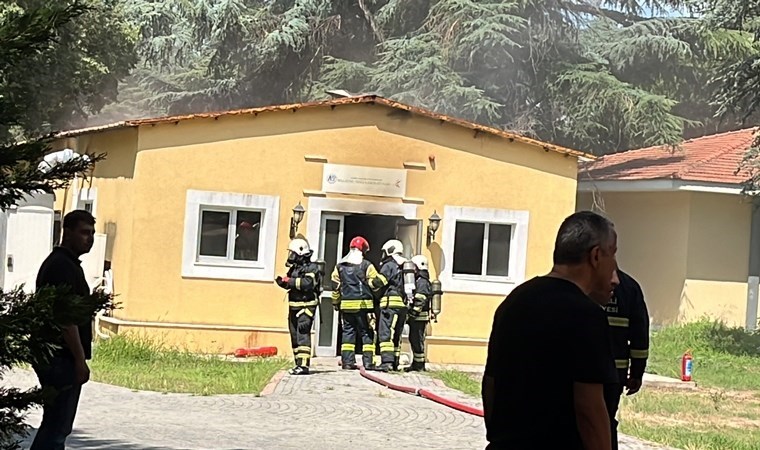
pixel 67 371
pixel 549 352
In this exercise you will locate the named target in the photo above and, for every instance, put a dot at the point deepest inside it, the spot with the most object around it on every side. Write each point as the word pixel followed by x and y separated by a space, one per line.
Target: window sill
pixel 230 264
pixel 477 285
pixel 483 279
pixel 221 271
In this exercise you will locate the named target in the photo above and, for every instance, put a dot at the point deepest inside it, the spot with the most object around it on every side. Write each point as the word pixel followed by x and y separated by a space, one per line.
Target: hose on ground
pixel 424 393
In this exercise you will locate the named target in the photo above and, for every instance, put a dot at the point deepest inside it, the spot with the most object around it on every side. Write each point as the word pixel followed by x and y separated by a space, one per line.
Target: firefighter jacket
pixel 394 289
pixel 354 285
pixel 423 295
pixel 629 326
pixel 303 286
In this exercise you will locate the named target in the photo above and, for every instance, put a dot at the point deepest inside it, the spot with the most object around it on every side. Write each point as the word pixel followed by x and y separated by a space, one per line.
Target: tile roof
pixel 365 99
pixel 711 159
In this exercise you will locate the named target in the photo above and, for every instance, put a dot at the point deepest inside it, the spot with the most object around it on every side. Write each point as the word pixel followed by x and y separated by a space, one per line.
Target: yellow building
pixel 685 230
pixel 172 196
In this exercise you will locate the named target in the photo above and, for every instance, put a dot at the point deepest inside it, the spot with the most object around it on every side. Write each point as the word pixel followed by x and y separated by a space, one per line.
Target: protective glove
pixel 282 282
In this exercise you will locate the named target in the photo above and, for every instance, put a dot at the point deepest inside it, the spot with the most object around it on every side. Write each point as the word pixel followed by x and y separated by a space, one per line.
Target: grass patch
pixel 143 364
pixel 709 419
pixel 724 357
pixel 461 381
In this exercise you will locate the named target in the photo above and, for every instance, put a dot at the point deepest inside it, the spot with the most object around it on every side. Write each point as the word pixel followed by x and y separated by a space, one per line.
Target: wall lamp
pixel 435 222
pixel 296 219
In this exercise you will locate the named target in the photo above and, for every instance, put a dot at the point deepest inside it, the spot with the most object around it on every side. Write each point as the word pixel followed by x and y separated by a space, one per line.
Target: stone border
pixel 272 385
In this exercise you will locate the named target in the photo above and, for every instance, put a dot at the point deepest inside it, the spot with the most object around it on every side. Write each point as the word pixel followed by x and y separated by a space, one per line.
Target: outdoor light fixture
pixel 296 219
pixel 435 221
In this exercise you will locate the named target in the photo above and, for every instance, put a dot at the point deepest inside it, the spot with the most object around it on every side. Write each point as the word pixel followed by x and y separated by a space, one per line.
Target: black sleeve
pixel 493 359
pixel 590 351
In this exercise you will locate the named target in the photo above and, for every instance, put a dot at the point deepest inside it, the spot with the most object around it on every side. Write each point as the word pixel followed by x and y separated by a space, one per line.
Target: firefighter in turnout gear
pixel 302 282
pixel 355 280
pixel 392 308
pixel 629 329
pixel 419 313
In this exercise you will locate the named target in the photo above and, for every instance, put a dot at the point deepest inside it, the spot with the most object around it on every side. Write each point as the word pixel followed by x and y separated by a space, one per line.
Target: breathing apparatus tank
pixel 435 306
pixel 408 269
pixel 321 268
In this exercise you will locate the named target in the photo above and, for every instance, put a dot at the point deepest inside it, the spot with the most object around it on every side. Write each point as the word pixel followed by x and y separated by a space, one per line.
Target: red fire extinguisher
pixel 686 366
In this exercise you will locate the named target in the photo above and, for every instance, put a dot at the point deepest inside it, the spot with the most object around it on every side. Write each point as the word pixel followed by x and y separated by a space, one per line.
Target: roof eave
pixel 659 185
pixel 366 99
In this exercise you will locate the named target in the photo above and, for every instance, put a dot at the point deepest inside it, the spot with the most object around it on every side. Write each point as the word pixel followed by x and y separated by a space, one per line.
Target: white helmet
pixel 393 247
pixel 299 246
pixel 420 261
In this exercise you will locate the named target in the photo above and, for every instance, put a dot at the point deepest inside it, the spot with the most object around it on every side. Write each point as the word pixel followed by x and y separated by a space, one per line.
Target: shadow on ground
pixel 83 441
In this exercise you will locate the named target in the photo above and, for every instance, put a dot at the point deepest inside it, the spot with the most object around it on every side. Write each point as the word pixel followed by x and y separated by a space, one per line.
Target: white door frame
pixel 327 350
pixel 340 207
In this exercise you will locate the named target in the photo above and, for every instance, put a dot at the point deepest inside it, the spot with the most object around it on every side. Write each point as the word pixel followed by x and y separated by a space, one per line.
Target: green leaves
pixel 597 76
pixel 30 330
pixel 61 62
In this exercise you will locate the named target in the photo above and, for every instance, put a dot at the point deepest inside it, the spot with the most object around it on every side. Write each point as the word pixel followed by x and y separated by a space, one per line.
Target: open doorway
pixel 336 234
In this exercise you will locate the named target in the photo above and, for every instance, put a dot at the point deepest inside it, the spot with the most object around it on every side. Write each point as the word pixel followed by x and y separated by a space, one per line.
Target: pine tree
pixel 29 322
pixel 601 76
pixel 740 81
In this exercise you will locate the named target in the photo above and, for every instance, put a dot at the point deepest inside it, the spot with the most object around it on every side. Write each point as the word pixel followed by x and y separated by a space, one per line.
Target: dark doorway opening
pixel 376 229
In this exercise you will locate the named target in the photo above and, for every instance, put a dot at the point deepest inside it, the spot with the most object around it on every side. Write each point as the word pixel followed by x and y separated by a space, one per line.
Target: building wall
pixel 653 239
pixel 718 260
pixel 111 186
pixel 689 251
pixel 264 155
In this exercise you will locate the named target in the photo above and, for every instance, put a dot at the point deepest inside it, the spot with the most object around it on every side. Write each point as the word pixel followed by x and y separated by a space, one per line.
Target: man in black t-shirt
pixel 549 351
pixel 67 371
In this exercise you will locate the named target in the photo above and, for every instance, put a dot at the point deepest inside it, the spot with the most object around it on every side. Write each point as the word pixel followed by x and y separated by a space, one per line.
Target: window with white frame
pixel 484 249
pixel 230 235
pixel 481 250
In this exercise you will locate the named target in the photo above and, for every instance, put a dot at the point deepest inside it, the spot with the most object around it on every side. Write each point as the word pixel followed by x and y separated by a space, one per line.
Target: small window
pixel 482 249
pixel 231 234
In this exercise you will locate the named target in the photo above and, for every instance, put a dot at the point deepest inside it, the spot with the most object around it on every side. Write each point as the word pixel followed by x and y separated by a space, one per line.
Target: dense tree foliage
pixel 602 76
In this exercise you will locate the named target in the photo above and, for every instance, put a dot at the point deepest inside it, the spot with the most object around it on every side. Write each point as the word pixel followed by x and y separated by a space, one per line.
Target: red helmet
pixel 360 243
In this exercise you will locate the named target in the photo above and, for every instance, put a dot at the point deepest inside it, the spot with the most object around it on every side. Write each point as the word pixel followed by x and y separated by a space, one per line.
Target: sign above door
pixel 362 180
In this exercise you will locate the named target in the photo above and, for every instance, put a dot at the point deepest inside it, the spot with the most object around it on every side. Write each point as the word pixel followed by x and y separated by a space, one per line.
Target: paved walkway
pixel 329 409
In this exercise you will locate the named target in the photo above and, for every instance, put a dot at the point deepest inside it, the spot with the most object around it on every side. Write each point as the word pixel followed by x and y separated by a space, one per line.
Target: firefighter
pixel 629 329
pixel 355 281
pixel 419 313
pixel 302 282
pixel 392 306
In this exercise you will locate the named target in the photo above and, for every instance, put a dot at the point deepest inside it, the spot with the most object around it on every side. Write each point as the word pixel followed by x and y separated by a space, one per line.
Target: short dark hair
pixel 74 218
pixel 579 233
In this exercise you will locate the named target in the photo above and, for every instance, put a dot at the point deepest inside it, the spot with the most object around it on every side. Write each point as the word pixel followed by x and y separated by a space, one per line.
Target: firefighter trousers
pixel 299 324
pixel 612 394
pixel 357 323
pixel 390 328
pixel 417 342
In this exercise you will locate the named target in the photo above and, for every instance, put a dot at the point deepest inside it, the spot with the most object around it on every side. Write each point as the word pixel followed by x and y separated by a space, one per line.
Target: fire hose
pixel 424 393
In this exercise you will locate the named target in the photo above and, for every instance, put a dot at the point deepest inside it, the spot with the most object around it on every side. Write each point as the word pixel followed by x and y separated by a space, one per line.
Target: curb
pixel 272 385
pixel 683 385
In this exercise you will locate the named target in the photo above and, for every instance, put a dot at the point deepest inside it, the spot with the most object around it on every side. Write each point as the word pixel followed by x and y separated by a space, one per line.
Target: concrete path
pixel 330 409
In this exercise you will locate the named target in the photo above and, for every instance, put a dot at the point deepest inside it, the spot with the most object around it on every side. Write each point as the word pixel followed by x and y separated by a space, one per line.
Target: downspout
pixel 753 280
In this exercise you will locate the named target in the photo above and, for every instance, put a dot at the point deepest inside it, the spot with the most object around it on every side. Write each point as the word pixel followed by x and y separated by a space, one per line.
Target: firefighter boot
pixel 368 360
pixel 299 370
pixel 416 367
